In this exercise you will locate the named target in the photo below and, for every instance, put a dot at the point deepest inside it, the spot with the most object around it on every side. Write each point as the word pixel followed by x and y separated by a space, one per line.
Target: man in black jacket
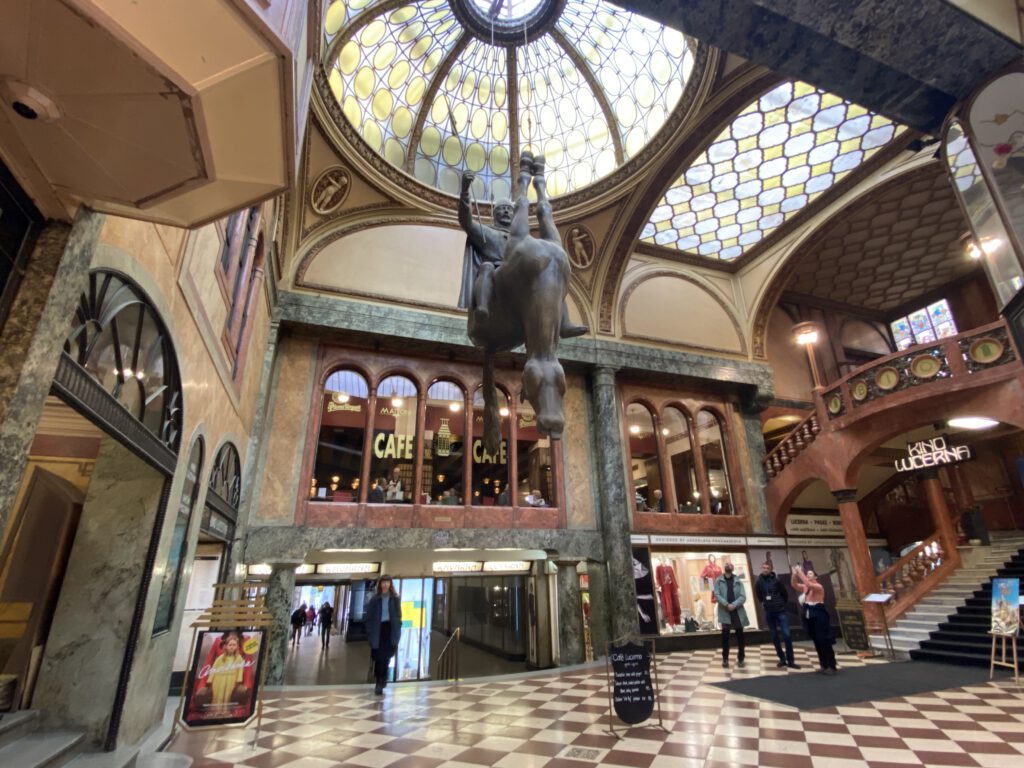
pixel 772 594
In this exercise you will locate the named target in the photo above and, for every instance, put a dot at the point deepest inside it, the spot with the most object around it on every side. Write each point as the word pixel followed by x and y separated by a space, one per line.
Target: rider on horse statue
pixel 518 297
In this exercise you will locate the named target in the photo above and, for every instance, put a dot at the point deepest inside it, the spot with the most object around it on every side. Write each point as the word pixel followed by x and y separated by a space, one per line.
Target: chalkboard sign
pixel 632 691
pixel 854 628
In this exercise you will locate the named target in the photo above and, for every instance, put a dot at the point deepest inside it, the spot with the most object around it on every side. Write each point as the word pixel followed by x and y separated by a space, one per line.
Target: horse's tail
pixel 492 419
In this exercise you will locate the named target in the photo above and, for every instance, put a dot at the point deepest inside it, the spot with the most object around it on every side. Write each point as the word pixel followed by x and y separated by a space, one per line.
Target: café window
pixel 444 444
pixel 490 479
pixel 534 476
pixel 675 427
pixel 339 453
pixel 645 472
pixel 393 447
pixel 712 446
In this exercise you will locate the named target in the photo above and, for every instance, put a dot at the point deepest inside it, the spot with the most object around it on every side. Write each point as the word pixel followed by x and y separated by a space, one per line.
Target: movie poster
pixel 224 678
pixel 1005 606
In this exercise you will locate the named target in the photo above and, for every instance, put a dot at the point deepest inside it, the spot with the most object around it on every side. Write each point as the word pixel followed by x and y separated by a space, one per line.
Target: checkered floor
pixel 561 721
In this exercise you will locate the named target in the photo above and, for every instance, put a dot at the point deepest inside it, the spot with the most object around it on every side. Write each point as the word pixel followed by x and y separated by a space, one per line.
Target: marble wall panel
pixel 82 662
pixel 286 433
pixel 577 456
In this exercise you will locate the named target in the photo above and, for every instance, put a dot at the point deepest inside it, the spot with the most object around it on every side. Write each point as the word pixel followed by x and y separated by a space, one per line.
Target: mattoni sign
pixel 935 452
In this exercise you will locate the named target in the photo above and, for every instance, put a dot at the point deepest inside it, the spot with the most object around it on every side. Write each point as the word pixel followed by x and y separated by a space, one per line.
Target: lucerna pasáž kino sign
pixel 936 452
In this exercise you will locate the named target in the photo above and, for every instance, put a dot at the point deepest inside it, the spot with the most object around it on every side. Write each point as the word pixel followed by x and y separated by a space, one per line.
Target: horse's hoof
pixel 526 161
pixel 570 331
pixel 537 166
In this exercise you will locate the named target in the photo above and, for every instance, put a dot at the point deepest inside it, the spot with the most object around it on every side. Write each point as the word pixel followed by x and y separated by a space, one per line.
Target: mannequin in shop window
pixel 668 593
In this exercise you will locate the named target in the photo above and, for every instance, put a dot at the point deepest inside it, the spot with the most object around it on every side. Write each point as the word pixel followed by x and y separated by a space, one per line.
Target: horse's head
pixel 544 386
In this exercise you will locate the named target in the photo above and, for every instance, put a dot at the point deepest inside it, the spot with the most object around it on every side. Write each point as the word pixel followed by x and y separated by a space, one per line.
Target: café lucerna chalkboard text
pixel 632 690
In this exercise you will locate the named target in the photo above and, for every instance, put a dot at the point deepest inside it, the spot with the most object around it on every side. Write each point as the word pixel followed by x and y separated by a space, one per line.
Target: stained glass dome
pixel 442 86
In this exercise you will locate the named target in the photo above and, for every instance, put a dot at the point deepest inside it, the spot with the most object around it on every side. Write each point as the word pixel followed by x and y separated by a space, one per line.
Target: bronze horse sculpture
pixel 526 306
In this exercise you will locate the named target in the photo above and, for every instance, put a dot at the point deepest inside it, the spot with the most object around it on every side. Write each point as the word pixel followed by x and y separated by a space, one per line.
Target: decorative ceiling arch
pixel 881 250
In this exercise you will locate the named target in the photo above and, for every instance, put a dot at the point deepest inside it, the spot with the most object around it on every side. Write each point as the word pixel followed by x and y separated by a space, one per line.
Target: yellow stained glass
pixel 808 139
pixel 383 101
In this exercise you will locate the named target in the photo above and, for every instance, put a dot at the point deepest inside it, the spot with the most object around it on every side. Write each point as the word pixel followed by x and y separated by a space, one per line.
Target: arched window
pixel 675 428
pixel 339 453
pixel 444 444
pixel 645 472
pixel 713 449
pixel 394 438
pixel 119 339
pixel 226 475
pixel 533 461
pixel 490 482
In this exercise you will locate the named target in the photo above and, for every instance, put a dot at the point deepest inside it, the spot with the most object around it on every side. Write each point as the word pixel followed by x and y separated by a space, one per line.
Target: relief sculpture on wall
pixel 514 286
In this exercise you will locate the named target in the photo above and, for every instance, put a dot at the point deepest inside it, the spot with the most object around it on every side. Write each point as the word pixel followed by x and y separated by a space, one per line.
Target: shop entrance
pixel 491 612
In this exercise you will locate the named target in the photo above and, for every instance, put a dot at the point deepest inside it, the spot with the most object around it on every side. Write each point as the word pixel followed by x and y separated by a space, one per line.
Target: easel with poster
pixel 632 695
pixel 1005 626
pixel 881 599
pixel 224 683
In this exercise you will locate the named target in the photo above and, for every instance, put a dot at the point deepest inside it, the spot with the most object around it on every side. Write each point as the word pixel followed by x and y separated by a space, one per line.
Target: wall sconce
pixel 806 334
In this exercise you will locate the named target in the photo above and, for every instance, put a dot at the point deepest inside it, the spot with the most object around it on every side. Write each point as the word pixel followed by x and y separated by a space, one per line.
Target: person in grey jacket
pixel 730 595
pixel 383 629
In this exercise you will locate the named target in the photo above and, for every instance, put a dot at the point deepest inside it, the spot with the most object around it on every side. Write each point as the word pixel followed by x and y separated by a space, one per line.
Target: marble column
pixel 570 614
pixel 856 542
pixel 33 335
pixel 753 453
pixel 598 607
pixel 280 589
pixel 614 503
pixel 944 527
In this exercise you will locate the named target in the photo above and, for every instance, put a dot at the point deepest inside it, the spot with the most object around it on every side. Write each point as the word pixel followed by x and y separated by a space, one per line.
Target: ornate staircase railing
pixel 800 437
pixel 913 576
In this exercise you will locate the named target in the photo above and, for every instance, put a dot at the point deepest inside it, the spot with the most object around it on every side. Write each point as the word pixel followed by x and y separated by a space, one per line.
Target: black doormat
pixel 873 682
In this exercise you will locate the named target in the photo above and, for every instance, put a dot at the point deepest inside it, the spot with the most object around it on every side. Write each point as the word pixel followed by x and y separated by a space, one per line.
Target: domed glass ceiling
pixel 779 154
pixel 441 86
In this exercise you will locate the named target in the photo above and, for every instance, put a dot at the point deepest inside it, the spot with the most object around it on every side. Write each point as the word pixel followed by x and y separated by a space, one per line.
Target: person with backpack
pixel 773 598
pixel 298 620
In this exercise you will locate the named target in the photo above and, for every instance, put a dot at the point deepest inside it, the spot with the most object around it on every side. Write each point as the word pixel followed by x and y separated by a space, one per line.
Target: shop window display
pixel 339 456
pixel 533 462
pixel 444 444
pixel 712 446
pixel 684 584
pixel 393 448
pixel 676 429
pixel 490 480
pixel 645 472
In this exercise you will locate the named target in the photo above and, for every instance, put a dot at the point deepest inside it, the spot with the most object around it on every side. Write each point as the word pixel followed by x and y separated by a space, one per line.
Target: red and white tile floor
pixel 556 720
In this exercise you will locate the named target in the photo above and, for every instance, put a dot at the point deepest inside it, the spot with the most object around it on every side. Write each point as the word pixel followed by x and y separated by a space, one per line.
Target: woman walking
pixel 815 617
pixel 383 629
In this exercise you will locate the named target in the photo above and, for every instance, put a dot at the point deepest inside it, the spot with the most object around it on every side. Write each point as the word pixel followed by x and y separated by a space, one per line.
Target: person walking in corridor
pixel 730 596
pixel 383 629
pixel 815 617
pixel 326 617
pixel 773 598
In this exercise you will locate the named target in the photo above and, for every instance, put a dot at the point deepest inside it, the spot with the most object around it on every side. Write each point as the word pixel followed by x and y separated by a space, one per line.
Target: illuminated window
pixel 779 154
pixel 339 454
pixel 678 446
pixel 924 325
pixel 712 446
pixel 444 444
pixel 645 471
pixel 427 85
pixel 490 486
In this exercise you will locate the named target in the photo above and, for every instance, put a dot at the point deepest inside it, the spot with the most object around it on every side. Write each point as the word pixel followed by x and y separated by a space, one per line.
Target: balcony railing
pixel 800 437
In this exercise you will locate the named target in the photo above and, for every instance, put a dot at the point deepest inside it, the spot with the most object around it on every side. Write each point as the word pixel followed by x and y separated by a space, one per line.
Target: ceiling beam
pixel 910 61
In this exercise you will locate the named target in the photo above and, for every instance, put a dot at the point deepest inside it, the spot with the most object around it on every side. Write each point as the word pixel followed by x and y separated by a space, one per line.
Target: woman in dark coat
pixel 383 629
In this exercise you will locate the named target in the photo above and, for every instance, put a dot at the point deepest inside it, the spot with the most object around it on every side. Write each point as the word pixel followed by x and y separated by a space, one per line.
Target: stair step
pixel 37 750
pixel 983 647
pixel 943 657
pixel 14 725
pixel 127 757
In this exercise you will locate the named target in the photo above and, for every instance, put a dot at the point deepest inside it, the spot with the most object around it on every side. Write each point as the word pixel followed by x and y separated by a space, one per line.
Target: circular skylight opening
pixel 441 87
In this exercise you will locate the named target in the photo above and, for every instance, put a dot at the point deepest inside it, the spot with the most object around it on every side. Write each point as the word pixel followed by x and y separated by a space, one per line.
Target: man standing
pixel 485 251
pixel 773 596
pixel 730 595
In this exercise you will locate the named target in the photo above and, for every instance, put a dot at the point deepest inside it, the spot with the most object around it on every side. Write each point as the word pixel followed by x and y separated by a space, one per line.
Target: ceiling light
pixel 807 336
pixel 972 422
pixel 988 245
pixel 343 397
pixel 454 407
pixel 664 431
pixel 634 429
pixel 503 412
pixel 397 402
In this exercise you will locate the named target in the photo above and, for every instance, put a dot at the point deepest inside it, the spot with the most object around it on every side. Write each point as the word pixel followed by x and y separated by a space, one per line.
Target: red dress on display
pixel 669 594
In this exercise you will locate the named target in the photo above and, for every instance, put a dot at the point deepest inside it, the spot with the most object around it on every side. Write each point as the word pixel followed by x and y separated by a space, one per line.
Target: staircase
pixel 961 637
pixel 916 625
pixel 22 745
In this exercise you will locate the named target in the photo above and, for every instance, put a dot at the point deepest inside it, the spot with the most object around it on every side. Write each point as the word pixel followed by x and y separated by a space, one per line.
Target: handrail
pixel 447 665
pixel 789 448
pixel 913 576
